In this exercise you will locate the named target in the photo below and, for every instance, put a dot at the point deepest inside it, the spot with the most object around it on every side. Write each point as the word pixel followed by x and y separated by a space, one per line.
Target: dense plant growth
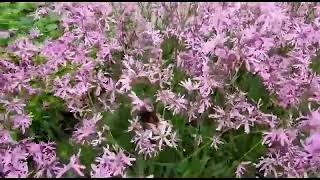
pixel 235 88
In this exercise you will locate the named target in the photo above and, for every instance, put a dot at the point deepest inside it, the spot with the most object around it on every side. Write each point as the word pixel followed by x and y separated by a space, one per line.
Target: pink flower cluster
pixel 107 48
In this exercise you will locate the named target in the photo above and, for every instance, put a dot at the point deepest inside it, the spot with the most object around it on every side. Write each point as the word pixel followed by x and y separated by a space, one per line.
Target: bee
pixel 149 119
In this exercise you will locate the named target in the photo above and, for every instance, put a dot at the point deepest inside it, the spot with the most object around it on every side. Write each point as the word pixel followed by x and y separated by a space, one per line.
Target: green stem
pixel 254 132
pixel 164 111
pixel 162 164
pixel 140 166
pixel 91 102
pixel 256 145
pixel 197 151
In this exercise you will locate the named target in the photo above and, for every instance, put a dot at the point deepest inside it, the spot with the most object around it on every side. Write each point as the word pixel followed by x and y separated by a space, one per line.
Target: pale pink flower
pixel 143 143
pixel 99 139
pixel 15 105
pixel 282 136
pixel 74 164
pixel 163 135
pixel 5 136
pixel 21 121
pixel 215 142
pixel 189 85
pixel 87 128
pixel 172 101
pixel 312 144
pixel 14 162
pixel 138 104
pixel 44 156
pixel 34 32
pixel 111 164
pixel 268 165
pixel 134 125
pixel 241 168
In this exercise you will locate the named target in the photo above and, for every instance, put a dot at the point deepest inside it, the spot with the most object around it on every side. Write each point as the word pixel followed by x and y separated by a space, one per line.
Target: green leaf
pixel 144 89
pixel 118 123
pixel 253 86
pixel 51 27
pixel 64 150
pixel 88 155
pixel 315 64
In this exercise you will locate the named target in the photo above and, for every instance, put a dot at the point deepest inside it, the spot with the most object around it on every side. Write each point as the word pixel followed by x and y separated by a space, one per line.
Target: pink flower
pixel 41 11
pixel 5 136
pixel 312 123
pixel 151 140
pixel 111 164
pixel 104 83
pixel 138 104
pixel 164 135
pixel 44 156
pixel 104 53
pixel 134 124
pixel 215 142
pixel 172 101
pixel 34 32
pixel 62 87
pixel 189 62
pixel 312 144
pixel 21 121
pixel 74 164
pixel 268 165
pixel 15 105
pixel 222 118
pixel 143 139
pixel 20 80
pixel 241 168
pixel 282 136
pixel 13 163
pixel 87 128
pixel 218 40
pixel 98 140
pixel 189 85
pixel 24 48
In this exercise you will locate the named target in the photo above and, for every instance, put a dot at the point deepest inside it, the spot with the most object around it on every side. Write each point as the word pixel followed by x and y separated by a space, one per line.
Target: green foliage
pixel 144 89
pixel 118 123
pixel 190 160
pixel 178 76
pixel 49 27
pixel 170 48
pixel 39 59
pixel 14 16
pixel 65 69
pixel 253 86
pixel 315 65
pixel 52 123
pixel 49 118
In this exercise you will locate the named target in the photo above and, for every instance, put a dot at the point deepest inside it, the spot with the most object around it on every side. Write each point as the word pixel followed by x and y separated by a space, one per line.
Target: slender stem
pixel 254 132
pixel 164 111
pixel 250 150
pixel 162 164
pixel 141 166
pixel 91 102
pixel 197 151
